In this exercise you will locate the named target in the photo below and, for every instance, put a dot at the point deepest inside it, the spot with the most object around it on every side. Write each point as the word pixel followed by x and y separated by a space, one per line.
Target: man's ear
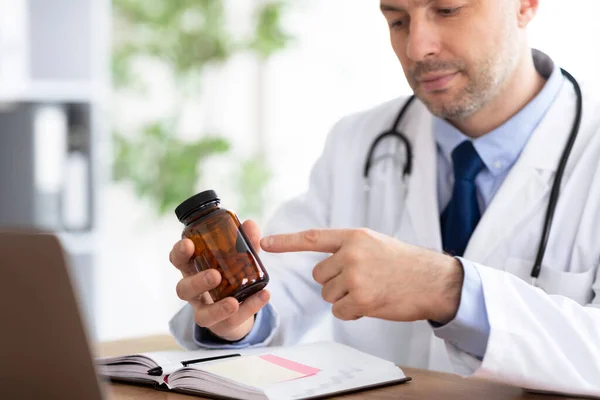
pixel 526 12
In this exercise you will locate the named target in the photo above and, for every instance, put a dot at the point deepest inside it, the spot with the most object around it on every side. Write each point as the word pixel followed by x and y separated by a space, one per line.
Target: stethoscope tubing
pixel 554 193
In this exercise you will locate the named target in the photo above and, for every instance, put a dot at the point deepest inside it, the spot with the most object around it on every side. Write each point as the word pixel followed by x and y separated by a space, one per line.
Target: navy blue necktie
pixel 462 214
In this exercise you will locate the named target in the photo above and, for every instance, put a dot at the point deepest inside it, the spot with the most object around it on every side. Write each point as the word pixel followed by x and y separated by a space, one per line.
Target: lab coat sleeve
pixel 539 342
pixel 296 301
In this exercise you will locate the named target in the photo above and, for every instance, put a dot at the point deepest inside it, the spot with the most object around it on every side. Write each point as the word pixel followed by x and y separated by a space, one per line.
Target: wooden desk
pixel 425 384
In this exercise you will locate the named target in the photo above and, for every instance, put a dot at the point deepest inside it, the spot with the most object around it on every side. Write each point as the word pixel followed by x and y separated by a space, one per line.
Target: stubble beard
pixel 486 79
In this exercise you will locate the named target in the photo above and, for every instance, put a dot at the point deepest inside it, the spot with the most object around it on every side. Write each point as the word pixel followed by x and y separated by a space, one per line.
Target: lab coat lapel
pixel 420 220
pixel 521 194
pixel 527 186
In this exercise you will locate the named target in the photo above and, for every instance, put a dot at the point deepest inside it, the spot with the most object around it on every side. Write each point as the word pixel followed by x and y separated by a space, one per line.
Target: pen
pixel 158 371
pixel 199 360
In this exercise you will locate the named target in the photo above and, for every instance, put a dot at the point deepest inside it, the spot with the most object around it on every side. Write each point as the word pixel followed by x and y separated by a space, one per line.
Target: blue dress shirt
pixel 499 150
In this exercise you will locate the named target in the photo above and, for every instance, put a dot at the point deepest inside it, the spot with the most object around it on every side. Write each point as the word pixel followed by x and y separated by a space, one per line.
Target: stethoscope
pixel 554 194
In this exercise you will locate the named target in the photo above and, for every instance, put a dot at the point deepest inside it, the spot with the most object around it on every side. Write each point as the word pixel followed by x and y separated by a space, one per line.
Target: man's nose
pixel 423 40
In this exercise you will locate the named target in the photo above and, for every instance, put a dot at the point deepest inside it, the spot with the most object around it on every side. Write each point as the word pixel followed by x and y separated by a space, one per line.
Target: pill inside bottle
pixel 221 244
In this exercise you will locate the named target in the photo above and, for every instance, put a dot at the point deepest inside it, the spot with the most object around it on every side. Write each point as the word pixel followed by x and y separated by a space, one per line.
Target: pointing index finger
pixel 319 240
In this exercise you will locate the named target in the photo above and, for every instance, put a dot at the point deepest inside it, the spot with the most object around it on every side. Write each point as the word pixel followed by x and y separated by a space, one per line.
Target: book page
pixel 259 371
pixel 342 368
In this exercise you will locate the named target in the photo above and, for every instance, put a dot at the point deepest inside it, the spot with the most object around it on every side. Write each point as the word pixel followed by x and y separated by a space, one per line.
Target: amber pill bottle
pixel 221 244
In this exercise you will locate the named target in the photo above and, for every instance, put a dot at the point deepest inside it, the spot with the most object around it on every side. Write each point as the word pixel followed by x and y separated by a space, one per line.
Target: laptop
pixel 44 346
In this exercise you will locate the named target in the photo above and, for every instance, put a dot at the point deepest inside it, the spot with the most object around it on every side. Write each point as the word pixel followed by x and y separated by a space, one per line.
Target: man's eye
pixel 448 12
pixel 397 24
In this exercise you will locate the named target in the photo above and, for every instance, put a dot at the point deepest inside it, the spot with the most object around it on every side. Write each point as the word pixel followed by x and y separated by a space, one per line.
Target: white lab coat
pixel 543 339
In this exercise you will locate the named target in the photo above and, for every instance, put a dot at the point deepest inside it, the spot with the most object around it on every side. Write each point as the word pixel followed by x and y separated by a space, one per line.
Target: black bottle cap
pixel 195 202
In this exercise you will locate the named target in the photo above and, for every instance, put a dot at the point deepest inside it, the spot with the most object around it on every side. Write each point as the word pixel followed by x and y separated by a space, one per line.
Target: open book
pixel 305 371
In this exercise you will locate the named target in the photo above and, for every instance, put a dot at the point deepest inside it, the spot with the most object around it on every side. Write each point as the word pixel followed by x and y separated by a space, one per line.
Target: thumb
pixel 252 231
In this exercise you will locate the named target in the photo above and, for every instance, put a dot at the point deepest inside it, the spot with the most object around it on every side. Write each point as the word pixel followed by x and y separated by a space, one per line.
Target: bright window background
pixel 340 63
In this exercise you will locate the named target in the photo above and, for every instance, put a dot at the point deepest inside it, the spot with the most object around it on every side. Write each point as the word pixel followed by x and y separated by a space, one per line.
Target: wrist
pixel 448 292
pixel 237 334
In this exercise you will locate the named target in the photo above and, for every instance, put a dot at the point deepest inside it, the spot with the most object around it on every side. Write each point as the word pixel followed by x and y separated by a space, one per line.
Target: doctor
pixel 435 268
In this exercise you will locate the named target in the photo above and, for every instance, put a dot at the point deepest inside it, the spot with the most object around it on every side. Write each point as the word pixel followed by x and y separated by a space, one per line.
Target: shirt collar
pixel 500 148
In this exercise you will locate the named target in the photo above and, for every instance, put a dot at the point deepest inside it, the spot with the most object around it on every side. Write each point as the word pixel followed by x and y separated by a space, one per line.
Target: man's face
pixel 456 54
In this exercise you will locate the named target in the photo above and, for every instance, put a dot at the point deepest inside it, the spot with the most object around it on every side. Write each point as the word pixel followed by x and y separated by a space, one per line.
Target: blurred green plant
pixel 254 173
pixel 187 36
pixel 168 177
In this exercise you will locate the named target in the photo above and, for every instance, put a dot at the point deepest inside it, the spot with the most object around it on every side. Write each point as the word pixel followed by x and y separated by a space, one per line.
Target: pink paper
pixel 289 364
